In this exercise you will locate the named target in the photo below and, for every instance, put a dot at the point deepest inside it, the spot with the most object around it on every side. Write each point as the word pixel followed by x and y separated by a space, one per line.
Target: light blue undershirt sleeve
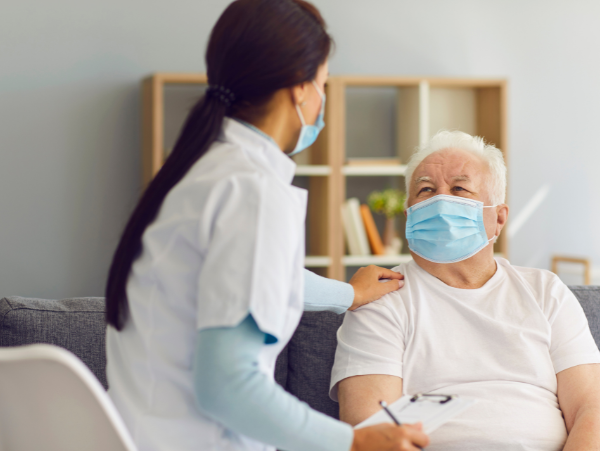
pixel 231 390
pixel 321 293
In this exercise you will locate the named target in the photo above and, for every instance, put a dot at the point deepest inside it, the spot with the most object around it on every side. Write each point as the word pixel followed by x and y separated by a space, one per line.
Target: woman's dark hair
pixel 256 48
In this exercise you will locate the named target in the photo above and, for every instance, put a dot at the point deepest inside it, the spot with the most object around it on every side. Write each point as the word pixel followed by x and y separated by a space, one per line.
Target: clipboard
pixel 433 410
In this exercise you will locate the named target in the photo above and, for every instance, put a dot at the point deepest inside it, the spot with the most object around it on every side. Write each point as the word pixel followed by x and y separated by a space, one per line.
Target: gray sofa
pixel 303 368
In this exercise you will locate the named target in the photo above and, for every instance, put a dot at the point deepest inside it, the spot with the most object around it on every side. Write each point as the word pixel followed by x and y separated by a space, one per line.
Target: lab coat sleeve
pixel 252 237
pixel 231 390
pixel 323 294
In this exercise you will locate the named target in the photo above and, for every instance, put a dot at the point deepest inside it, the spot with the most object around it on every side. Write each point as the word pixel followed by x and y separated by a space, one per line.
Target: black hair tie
pixel 221 93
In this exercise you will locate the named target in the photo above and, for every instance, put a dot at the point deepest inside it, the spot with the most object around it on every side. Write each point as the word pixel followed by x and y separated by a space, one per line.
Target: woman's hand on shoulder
pixel 388 437
pixel 369 285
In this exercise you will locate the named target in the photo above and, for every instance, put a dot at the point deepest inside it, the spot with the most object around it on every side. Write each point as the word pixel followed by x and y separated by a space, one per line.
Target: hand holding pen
pixel 385 407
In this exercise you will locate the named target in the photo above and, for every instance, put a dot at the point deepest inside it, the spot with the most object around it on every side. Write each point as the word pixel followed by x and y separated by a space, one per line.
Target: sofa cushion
pixel 303 367
pixel 281 368
pixel 74 324
pixel 310 359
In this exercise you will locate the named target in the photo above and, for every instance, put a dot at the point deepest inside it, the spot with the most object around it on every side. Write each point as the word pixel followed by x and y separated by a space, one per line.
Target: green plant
pixel 389 202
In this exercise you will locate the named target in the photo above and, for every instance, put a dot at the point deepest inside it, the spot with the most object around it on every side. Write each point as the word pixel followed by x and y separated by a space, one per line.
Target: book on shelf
pixel 354 228
pixel 371 229
pixel 373 162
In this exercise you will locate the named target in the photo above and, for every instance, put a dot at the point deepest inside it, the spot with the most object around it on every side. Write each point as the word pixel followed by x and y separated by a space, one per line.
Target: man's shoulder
pixel 392 301
pixel 530 274
pixel 541 282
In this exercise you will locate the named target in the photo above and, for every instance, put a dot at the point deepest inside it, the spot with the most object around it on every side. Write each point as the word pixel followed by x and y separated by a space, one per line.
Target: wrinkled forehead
pixel 451 163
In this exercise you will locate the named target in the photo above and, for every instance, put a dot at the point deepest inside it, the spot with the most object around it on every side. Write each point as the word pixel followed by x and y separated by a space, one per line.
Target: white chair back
pixel 50 401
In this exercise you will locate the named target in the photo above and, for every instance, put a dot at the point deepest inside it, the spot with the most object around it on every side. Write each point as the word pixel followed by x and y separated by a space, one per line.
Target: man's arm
pixel 359 396
pixel 579 400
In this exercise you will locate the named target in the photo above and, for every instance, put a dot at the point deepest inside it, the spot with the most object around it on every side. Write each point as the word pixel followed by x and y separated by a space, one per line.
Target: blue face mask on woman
pixel 309 133
pixel 446 229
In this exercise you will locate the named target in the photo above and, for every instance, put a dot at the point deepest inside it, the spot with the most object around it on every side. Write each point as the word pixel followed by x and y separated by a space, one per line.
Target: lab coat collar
pixel 260 149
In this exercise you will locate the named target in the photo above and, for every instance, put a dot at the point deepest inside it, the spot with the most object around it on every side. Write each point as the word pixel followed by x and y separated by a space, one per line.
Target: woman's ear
pixel 299 94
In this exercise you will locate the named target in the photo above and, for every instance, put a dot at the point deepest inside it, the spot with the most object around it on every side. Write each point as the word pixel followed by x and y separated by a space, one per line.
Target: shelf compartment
pixel 374 170
pixel 379 260
pixel 317 261
pixel 313 170
pixel 405 110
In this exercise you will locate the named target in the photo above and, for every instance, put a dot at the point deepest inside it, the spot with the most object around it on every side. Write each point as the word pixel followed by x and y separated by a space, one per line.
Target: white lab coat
pixel 228 241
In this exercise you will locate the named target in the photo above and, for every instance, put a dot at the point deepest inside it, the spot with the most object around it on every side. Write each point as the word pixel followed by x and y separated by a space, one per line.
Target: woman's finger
pixel 417 437
pixel 418 426
pixel 392 285
pixel 385 273
pixel 370 284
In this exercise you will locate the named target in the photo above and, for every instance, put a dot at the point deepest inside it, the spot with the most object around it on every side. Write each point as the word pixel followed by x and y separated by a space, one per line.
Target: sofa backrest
pixel 303 367
pixel 74 324
pixel 589 298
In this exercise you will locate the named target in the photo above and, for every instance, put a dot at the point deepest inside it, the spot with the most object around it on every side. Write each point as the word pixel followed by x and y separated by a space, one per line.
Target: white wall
pixel 69 113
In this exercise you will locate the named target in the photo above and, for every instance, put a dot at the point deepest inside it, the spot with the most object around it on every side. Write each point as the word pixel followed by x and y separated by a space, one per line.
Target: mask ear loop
pixel 494 237
pixel 317 88
pixel 298 108
pixel 300 114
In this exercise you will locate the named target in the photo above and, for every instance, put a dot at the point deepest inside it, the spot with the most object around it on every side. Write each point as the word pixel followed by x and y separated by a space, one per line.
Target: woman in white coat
pixel 207 283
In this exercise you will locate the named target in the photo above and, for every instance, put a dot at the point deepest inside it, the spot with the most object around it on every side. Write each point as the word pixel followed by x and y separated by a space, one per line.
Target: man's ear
pixel 502 217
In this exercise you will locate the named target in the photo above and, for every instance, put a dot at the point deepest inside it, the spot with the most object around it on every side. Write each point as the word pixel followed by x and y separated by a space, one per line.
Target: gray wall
pixel 69 113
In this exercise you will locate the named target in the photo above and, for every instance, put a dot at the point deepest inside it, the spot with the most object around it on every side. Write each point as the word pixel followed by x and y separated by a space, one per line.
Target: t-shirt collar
pixel 495 279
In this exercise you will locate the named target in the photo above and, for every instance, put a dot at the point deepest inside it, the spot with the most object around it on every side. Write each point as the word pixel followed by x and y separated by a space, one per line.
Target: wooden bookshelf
pixel 421 106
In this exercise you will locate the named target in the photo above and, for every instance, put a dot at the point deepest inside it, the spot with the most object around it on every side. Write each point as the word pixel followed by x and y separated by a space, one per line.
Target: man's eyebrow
pixel 422 180
pixel 461 178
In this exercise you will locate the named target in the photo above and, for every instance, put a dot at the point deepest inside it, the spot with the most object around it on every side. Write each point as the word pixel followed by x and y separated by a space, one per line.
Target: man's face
pixel 454 172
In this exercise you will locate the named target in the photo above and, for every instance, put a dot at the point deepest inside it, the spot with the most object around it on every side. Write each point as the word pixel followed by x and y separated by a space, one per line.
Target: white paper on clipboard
pixel 427 410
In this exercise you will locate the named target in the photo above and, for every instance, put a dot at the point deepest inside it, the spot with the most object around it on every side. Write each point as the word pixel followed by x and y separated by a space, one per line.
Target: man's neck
pixel 468 274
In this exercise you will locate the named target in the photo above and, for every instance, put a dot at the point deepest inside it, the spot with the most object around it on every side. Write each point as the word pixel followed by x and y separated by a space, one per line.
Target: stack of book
pixel 361 233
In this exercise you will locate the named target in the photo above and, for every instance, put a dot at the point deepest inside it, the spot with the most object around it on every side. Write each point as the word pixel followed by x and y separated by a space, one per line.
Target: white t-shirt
pixel 501 344
pixel 228 241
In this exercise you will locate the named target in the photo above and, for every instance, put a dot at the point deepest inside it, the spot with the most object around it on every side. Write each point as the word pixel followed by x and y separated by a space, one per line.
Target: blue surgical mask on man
pixel 446 229
pixel 309 133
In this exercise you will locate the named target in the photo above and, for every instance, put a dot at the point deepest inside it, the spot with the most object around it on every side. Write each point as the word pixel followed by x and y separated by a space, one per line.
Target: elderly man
pixel 466 323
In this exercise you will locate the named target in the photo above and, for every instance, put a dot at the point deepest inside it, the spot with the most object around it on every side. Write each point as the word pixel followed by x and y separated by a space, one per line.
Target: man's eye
pixel 459 188
pixel 427 189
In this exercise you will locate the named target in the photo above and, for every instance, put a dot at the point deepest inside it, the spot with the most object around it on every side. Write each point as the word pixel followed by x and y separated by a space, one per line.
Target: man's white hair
pixel 459 140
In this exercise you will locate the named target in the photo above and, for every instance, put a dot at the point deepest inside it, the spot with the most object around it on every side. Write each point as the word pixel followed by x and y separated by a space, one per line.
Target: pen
pixel 385 407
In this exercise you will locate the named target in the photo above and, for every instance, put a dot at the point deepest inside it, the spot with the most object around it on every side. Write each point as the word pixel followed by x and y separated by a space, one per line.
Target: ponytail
pixel 245 67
